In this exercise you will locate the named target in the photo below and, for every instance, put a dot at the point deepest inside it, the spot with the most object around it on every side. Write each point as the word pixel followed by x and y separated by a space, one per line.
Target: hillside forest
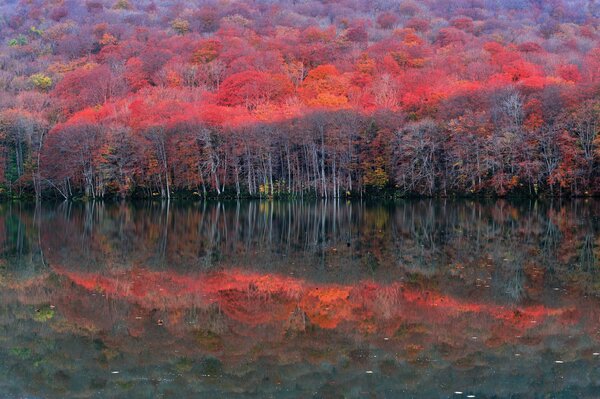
pixel 290 98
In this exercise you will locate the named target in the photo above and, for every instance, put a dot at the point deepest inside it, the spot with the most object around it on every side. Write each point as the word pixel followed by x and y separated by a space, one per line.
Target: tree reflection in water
pixel 289 299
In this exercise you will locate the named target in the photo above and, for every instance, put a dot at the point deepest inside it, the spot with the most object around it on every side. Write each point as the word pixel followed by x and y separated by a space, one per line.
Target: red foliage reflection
pixel 256 299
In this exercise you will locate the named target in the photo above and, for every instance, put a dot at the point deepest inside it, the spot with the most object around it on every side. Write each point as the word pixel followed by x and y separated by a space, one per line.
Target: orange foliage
pixel 325 86
pixel 255 299
pixel 207 51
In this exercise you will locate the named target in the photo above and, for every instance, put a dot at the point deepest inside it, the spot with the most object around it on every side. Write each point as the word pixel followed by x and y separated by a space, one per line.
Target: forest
pixel 277 98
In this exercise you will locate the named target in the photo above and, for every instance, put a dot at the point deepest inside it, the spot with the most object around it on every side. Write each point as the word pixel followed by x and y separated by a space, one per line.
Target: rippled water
pixel 423 299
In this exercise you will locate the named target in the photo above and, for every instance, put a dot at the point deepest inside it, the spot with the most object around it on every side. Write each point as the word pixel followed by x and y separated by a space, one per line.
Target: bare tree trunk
pixel 37 180
pixel 237 181
pixel 323 161
pixel 271 174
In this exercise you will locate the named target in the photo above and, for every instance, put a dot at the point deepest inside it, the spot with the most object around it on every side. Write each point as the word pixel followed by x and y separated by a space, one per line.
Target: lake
pixel 284 299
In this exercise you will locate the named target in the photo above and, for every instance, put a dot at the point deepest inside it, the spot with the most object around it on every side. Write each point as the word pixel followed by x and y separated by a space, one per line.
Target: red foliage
pixel 357 32
pixel 449 36
pixel 569 72
pixel 463 23
pixel 135 74
pixel 243 297
pixel 252 88
pixel 249 66
pixel 530 47
pixel 84 87
pixel 207 51
pixel 418 24
pixel 387 20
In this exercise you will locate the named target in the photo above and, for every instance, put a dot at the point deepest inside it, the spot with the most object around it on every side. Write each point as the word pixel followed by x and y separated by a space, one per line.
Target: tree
pixel 387 20
pixel 583 123
pixel 25 132
pixel 122 5
pixel 207 51
pixel 180 26
pixel 324 86
pixel 41 82
pixel 71 158
pixel 426 97
pixel 253 88
pixel 419 158
pixel 468 152
pixel 376 157
pixel 86 87
pixel 569 72
pixel 120 162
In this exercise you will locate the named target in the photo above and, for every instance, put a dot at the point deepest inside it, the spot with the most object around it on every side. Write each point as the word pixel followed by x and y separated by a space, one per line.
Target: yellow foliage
pixel 122 5
pixel 181 26
pixel 41 81
pixel 376 178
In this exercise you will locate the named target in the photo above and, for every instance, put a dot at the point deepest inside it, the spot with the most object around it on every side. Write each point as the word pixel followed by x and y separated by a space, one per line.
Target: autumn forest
pixel 318 98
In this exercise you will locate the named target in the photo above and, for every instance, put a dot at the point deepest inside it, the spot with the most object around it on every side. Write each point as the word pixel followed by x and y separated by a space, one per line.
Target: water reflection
pixel 297 299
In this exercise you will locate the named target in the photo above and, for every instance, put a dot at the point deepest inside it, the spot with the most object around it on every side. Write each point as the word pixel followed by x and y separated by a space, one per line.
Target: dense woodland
pixel 324 98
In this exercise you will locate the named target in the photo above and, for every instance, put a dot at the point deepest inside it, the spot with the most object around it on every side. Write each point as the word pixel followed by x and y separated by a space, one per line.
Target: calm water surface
pixel 419 299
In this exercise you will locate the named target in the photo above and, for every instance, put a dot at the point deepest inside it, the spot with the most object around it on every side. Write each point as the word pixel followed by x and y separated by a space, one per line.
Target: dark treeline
pixel 341 153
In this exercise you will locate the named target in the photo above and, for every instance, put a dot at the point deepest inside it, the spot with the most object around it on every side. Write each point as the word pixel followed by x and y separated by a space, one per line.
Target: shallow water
pixel 414 299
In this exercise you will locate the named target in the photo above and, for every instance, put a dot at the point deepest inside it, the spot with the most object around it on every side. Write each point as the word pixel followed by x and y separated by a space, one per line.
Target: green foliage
pixel 11 172
pixel 18 41
pixel 44 314
pixel 41 81
pixel 21 353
